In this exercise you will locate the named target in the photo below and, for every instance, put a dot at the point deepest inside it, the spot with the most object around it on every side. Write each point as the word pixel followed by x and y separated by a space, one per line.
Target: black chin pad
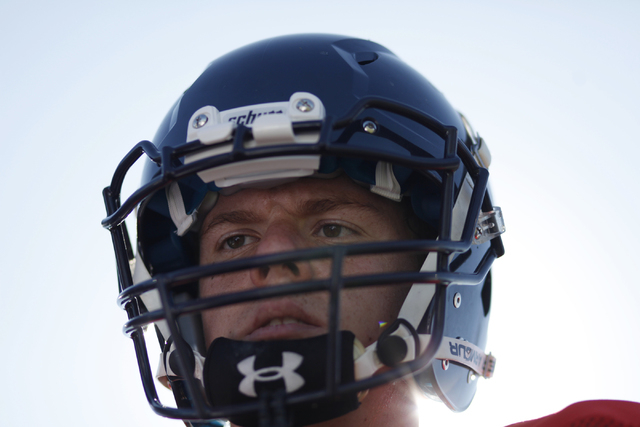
pixel 238 372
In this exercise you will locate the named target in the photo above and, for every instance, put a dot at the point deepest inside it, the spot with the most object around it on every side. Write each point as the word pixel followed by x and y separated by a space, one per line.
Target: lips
pixel 281 320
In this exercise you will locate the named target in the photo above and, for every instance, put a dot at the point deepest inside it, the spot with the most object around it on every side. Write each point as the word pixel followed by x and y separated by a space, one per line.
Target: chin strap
pixel 268 372
pixel 241 372
pixel 399 347
pixel 451 349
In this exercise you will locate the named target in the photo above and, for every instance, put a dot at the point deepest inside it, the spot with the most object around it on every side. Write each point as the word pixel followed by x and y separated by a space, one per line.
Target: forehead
pixel 340 190
pixel 308 197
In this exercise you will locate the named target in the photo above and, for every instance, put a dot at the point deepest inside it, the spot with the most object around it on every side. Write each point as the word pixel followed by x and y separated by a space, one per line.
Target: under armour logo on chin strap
pixel 292 380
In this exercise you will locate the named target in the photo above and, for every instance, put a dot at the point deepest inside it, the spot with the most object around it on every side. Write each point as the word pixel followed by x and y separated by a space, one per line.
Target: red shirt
pixel 591 413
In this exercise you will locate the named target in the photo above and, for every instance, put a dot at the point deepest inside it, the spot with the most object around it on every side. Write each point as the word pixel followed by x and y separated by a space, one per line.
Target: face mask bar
pixel 172 170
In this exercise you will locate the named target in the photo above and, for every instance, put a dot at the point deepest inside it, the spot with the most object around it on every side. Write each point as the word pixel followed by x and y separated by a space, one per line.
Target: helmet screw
pixel 457 300
pixel 369 126
pixel 200 121
pixel 478 233
pixel 445 364
pixel 305 105
pixel 471 376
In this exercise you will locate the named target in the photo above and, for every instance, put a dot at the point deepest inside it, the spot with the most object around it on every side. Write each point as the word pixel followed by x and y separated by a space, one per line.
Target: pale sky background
pixel 552 86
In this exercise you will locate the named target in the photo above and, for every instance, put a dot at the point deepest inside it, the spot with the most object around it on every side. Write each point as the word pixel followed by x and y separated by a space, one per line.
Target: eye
pixel 332 230
pixel 335 230
pixel 235 242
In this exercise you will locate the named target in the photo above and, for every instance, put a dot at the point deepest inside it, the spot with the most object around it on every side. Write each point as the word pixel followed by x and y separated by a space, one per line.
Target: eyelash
pixel 225 246
pixel 344 231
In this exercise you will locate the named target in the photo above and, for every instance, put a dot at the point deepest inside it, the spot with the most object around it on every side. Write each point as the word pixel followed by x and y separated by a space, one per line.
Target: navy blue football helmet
pixel 269 113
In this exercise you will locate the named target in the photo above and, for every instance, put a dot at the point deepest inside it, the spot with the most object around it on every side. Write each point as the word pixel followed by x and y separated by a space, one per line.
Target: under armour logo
pixel 292 380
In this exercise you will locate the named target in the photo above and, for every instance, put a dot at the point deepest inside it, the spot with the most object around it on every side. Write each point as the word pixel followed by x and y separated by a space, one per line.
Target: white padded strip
pixel 386 183
pixel 151 299
pixel 420 295
pixel 453 349
pixel 273 129
pixel 177 211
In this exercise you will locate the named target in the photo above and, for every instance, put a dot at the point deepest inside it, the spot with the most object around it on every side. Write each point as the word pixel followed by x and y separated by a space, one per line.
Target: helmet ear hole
pixel 486 295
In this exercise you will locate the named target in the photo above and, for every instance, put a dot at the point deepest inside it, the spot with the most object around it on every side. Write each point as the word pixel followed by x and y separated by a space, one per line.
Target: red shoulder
pixel 591 413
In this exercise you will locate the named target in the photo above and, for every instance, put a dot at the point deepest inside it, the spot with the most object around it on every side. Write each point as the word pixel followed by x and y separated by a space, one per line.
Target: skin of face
pixel 308 213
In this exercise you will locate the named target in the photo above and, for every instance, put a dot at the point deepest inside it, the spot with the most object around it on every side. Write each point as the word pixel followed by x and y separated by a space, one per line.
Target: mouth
pixel 276 322
pixel 284 321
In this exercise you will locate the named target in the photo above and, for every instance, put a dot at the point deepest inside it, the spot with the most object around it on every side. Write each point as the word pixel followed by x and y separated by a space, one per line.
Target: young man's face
pixel 307 213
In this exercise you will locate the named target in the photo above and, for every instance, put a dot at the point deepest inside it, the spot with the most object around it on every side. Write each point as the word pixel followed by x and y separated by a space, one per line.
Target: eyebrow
pixel 328 204
pixel 306 208
pixel 233 217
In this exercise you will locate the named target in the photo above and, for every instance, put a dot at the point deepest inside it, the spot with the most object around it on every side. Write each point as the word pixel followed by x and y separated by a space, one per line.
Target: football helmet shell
pixel 312 105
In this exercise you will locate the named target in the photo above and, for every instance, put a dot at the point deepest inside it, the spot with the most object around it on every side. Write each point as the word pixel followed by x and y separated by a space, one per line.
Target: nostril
pixel 276 274
pixel 293 267
pixel 264 271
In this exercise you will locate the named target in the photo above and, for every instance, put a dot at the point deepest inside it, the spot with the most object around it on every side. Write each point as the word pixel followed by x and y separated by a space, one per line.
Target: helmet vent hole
pixel 364 58
pixel 486 294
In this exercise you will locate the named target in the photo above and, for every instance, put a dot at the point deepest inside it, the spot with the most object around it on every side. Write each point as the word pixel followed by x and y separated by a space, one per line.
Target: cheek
pixel 364 309
pixel 221 322
pixel 206 247
pixel 218 323
pixel 384 263
pixel 225 283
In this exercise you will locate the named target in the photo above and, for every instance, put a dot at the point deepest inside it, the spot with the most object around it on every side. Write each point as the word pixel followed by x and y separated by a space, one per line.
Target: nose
pixel 278 240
